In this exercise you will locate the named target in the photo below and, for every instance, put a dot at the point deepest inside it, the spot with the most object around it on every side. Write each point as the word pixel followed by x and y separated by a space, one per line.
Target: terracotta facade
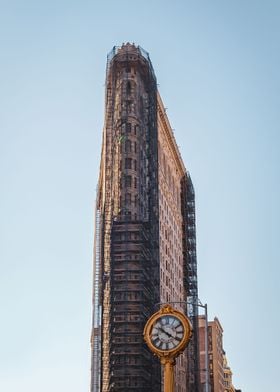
pixel 143 227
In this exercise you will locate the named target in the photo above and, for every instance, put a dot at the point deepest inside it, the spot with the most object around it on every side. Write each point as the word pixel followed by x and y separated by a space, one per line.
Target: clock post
pixel 168 364
pixel 167 333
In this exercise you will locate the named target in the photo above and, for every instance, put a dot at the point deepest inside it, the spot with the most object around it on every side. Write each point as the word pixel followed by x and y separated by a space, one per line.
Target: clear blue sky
pixel 217 64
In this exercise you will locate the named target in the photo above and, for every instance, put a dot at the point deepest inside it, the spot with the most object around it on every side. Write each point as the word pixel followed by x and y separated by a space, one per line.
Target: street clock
pixel 167 333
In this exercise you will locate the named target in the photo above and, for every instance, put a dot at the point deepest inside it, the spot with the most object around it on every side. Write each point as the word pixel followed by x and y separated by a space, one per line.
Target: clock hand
pixel 162 330
pixel 167 333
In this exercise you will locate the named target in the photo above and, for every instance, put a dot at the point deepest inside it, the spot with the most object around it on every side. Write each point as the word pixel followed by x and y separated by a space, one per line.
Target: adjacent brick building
pixel 219 372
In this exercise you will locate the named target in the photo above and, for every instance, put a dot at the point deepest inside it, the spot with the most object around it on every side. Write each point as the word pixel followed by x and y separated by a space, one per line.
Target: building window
pixel 128 163
pixel 128 127
pixel 128 198
pixel 127 181
pixel 127 146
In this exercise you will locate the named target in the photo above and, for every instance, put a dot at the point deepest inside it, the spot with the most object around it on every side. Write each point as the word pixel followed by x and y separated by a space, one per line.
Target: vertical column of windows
pixel 129 162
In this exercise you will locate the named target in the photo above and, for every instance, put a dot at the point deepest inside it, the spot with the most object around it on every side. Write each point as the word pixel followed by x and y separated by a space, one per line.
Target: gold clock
pixel 167 333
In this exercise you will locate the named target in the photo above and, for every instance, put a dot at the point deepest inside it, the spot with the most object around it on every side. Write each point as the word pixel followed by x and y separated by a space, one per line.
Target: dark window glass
pixel 127 146
pixel 128 163
pixel 128 181
pixel 128 198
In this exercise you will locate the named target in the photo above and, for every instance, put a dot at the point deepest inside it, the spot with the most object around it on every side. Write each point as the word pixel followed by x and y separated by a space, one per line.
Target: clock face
pixel 167 332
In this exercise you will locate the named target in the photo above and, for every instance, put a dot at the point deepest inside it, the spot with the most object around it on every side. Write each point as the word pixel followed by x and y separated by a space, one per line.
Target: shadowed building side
pixel 128 205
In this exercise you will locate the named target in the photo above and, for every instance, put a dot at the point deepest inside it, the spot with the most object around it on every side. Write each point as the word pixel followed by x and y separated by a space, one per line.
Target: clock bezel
pixel 168 310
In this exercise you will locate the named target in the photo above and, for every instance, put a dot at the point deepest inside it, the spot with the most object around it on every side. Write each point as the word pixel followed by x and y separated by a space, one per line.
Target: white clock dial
pixel 167 332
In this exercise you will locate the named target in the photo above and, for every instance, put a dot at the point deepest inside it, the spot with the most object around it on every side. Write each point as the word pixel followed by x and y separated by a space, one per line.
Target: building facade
pixel 228 386
pixel 145 246
pixel 215 353
pixel 219 373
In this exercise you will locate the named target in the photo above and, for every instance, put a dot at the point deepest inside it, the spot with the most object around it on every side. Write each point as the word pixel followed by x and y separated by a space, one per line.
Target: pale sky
pixel 217 66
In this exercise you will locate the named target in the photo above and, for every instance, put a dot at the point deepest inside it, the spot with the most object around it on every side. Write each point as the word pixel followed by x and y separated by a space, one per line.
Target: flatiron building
pixel 145 244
